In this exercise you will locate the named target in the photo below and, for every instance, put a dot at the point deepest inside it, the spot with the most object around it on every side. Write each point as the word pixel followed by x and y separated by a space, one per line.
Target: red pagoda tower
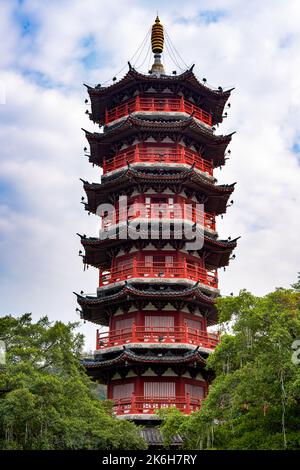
pixel 158 250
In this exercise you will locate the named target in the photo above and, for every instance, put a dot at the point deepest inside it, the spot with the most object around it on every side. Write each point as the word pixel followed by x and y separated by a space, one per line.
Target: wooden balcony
pixel 176 270
pixel 149 405
pixel 180 212
pixel 169 155
pixel 160 335
pixel 157 104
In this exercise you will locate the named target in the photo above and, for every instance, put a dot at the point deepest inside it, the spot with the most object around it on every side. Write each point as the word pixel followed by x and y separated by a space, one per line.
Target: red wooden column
pixel 137 103
pixel 136 157
pixel 185 333
pixel 182 154
pixel 119 408
pixel 134 335
pixel 181 106
pixel 188 403
pixel 133 409
pixel 134 267
pixel 166 105
pixel 185 270
pixel 104 165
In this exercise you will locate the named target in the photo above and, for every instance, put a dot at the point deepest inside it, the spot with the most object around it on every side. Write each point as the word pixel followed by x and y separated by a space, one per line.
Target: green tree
pixel 254 401
pixel 46 399
pixel 296 286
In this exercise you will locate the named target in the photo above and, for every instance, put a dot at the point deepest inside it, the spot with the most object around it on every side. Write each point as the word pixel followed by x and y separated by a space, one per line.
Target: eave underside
pixel 215 197
pixel 211 146
pixel 99 253
pixel 104 375
pixel 99 309
pixel 181 362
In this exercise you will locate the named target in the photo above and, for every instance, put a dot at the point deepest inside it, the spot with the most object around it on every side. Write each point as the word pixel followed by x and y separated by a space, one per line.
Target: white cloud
pixel 253 46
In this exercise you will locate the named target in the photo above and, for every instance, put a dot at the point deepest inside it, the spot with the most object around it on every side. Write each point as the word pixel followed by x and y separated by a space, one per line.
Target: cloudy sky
pixel 50 48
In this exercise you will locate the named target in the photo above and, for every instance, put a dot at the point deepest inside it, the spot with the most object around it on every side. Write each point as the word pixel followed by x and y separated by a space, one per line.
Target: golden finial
pixel 157 42
pixel 157 37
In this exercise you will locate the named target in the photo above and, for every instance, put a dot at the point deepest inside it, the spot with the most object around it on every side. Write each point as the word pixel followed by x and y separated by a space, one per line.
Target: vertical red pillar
pixel 188 403
pixel 181 107
pixel 133 409
pixel 134 332
pixel 137 103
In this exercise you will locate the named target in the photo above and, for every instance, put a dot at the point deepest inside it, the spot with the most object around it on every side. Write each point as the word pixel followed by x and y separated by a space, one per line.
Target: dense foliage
pixel 46 399
pixel 254 400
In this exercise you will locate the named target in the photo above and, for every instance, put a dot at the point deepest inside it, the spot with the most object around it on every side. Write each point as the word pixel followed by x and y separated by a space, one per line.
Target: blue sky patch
pixel 90 60
pixel 93 56
pixel 255 227
pixel 210 16
pixel 286 41
pixel 296 147
pixel 88 41
pixel 10 197
pixel 39 78
pixel 205 16
pixel 27 24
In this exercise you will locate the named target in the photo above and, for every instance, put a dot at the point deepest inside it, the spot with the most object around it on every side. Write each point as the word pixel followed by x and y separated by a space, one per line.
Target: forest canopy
pixel 46 399
pixel 254 399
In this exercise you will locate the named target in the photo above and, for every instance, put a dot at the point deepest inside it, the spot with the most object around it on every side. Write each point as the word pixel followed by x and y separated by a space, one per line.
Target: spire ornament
pixel 157 43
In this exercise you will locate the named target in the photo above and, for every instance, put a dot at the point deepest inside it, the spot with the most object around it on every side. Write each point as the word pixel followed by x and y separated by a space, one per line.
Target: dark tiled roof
pixel 187 77
pixel 128 356
pixel 96 250
pixel 161 125
pixel 152 435
pixel 215 99
pixel 189 179
pixel 215 144
pixel 95 308
pixel 188 292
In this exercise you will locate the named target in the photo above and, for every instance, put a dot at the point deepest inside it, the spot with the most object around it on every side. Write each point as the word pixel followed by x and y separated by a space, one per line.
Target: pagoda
pixel 158 251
